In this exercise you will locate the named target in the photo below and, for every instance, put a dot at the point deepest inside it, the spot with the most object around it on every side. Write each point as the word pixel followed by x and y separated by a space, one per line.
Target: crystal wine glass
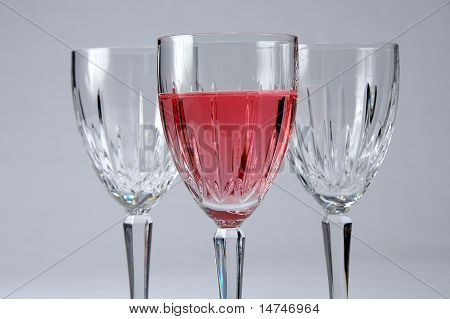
pixel 347 107
pixel 227 105
pixel 115 96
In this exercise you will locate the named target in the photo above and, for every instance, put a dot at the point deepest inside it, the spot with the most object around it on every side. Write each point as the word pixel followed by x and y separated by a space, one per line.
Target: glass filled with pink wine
pixel 227 105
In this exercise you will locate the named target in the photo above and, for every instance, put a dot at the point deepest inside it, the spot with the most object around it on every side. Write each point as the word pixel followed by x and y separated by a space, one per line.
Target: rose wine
pixel 228 146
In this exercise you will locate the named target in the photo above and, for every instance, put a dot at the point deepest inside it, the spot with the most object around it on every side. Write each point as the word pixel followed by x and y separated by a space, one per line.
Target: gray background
pixel 52 202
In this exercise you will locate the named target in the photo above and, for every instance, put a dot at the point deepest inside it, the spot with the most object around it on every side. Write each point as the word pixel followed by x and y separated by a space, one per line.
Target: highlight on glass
pixel 115 98
pixel 344 124
pixel 227 104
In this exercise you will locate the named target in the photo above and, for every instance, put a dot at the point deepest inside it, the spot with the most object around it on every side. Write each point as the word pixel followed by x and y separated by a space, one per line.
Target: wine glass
pixel 347 107
pixel 227 105
pixel 114 94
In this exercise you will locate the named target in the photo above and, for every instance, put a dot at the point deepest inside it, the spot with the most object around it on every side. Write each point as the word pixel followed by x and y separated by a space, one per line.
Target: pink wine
pixel 228 146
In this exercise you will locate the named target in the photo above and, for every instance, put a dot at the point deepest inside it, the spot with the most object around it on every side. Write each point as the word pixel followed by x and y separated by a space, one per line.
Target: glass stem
pixel 138 238
pixel 337 232
pixel 229 244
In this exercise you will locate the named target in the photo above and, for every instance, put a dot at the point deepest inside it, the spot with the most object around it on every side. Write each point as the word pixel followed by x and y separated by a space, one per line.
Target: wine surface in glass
pixel 228 146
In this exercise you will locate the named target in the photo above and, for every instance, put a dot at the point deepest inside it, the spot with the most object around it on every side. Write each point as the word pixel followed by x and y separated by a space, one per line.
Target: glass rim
pixel 337 46
pixel 231 37
pixel 118 50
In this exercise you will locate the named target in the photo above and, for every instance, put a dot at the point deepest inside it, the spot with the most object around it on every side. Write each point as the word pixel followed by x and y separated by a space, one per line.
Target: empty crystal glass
pixel 115 96
pixel 344 123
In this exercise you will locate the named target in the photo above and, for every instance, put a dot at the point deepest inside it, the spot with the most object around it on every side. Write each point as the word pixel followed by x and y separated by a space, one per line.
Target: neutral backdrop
pixel 52 203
